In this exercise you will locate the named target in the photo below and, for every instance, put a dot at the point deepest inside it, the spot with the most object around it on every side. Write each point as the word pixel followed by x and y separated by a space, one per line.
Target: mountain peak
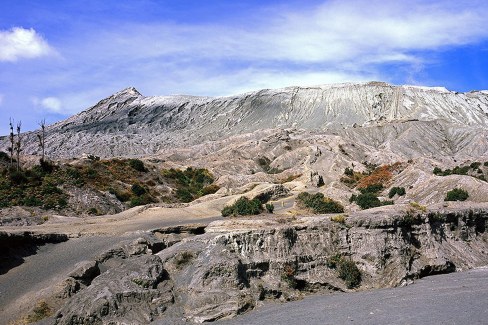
pixel 129 91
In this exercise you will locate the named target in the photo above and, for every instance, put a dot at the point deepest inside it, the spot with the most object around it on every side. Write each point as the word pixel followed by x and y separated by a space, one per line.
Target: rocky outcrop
pixel 238 263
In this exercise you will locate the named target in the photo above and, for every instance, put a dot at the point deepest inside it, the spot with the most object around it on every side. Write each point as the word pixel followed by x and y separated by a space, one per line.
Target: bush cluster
pixel 318 203
pixel 368 198
pixel 32 187
pixel 396 190
pixel 243 206
pixel 472 169
pixel 137 165
pixel 191 183
pixel 456 194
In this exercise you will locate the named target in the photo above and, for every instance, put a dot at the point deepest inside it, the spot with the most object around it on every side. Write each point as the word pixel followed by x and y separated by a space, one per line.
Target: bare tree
pixel 18 145
pixel 12 142
pixel 42 138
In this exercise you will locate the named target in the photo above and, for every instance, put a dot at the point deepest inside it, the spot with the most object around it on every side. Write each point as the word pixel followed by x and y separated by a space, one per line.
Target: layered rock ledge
pixel 239 263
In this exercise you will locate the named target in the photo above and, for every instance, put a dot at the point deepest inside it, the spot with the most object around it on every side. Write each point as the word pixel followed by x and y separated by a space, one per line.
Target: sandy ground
pixel 457 298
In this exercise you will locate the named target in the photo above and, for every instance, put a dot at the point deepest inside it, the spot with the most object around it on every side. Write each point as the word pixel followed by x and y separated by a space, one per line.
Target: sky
pixel 58 58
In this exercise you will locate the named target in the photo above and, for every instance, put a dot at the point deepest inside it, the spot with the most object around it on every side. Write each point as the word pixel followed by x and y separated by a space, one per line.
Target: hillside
pixel 130 124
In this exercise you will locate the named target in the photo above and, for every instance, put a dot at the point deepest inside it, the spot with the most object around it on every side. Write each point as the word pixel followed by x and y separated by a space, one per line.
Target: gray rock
pixel 133 293
pixel 85 272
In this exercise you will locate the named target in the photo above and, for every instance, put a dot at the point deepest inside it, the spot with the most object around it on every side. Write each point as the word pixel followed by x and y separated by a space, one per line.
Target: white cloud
pixel 18 43
pixel 362 32
pixel 334 42
pixel 51 104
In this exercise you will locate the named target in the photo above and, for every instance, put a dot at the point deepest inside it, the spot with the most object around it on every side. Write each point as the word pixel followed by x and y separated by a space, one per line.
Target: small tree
pixel 12 143
pixel 18 145
pixel 42 138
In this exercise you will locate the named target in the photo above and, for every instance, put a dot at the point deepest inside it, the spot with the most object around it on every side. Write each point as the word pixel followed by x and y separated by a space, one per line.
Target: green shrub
pixel 137 165
pixel 460 170
pixel 227 211
pixel 191 183
pixel 437 171
pixel 210 189
pixel 184 195
pixel 456 194
pixel 269 207
pixel 17 177
pixel 349 171
pixel 46 166
pixel 141 200
pixel 138 189
pixel 4 156
pixel 396 190
pixel 319 204
pixel 373 188
pixel 349 272
pixel 475 165
pixel 243 206
pixel 367 201
pixel 485 164
pixel 353 198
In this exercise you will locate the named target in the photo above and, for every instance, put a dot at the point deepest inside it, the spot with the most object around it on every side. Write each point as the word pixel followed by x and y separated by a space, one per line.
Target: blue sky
pixel 58 58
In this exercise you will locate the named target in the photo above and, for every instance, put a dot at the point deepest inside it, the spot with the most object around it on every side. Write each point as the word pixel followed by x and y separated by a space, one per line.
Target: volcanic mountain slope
pixel 303 134
pixel 406 121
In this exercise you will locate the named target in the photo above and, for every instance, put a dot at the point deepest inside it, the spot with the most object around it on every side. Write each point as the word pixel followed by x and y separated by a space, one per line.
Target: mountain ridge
pixel 118 124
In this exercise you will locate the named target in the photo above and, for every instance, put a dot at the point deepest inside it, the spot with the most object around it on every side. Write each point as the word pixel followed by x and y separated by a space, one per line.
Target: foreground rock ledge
pixel 239 262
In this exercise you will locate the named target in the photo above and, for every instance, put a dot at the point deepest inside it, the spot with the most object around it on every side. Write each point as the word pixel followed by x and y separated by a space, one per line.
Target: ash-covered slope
pixel 128 123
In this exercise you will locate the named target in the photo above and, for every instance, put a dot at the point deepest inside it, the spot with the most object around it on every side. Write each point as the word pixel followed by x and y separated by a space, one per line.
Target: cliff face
pixel 128 123
pixel 238 263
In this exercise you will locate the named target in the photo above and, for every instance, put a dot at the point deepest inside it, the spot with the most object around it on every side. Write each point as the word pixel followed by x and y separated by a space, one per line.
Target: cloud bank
pixel 333 42
pixel 20 43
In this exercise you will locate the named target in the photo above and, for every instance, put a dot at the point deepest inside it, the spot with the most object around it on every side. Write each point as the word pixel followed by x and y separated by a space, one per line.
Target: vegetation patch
pixel 346 270
pixel 137 165
pixel 472 170
pixel 190 183
pixel 242 207
pixel 33 187
pixel 377 177
pixel 456 194
pixel 418 206
pixel 368 200
pixel 40 311
pixel 400 191
pixel 318 203
pixel 269 207
pixel 339 219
